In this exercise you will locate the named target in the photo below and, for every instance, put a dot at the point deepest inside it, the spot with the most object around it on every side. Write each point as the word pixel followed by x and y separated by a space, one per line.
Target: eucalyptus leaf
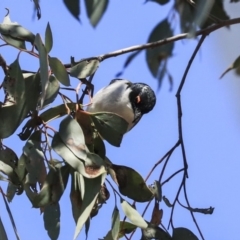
pixel 110 126
pixel 133 215
pixel 74 7
pixel 126 228
pixel 94 186
pixel 131 183
pixel 115 223
pixel 51 218
pixel 59 71
pixel 183 233
pixel 84 68
pixel 95 10
pixel 48 38
pixel 43 61
pixel 234 65
pixel 12 116
pixel 155 57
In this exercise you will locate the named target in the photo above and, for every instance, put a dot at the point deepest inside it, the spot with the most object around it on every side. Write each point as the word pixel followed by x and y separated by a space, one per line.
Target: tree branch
pixel 161 42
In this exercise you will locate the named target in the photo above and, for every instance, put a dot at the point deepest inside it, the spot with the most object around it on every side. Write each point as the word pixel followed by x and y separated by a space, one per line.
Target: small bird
pixel 128 100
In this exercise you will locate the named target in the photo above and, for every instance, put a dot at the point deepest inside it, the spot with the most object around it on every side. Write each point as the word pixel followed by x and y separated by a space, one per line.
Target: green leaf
pixel 218 12
pixel 57 112
pixel 43 60
pixel 156 57
pixel 89 171
pixel 95 10
pixel 110 126
pixel 90 196
pixel 11 190
pixel 183 233
pixel 115 223
pixel 133 215
pixel 15 31
pixel 234 65
pixel 34 161
pixel 51 218
pixel 59 71
pixel 12 116
pixel 154 232
pixel 9 171
pixel 16 43
pixel 48 38
pixel 84 69
pixel 126 228
pixel 131 184
pixel 52 90
pixel 9 157
pixel 74 7
pixel 3 234
pixel 72 136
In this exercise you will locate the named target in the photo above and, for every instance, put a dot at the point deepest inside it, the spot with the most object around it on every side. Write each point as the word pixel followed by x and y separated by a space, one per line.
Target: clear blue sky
pixel 211 115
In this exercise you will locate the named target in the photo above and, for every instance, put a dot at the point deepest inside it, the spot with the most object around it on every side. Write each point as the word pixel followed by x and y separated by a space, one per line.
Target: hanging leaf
pixel 8 156
pixel 34 161
pixel 59 71
pixel 85 123
pixel 52 91
pixel 183 233
pixel 235 65
pixel 95 10
pixel 9 171
pixel 51 218
pixel 131 184
pixel 11 190
pixel 156 57
pixel 84 69
pixel 43 61
pixel 72 136
pixel 218 12
pixel 12 116
pixel 73 7
pixel 133 215
pixel 110 126
pixel 156 215
pixel 88 171
pixel 48 38
pixel 89 199
pixel 76 194
pixel 115 223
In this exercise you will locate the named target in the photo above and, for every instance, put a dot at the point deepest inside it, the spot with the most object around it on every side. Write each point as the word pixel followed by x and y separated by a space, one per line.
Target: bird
pixel 124 98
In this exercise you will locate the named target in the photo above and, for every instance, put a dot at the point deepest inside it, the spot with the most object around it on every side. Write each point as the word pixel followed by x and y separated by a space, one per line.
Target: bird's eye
pixel 138 99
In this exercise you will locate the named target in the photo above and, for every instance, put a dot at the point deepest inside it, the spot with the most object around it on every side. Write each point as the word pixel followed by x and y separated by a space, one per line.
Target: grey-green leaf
pixel 183 233
pixel 84 68
pixel 95 10
pixel 133 215
pixel 94 186
pixel 110 126
pixel 115 223
pixel 43 60
pixel 59 71
pixel 74 7
pixel 51 218
pixel 48 38
pixel 155 56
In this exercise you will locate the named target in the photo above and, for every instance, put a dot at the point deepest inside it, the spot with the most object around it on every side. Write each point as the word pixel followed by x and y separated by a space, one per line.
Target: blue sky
pixel 211 114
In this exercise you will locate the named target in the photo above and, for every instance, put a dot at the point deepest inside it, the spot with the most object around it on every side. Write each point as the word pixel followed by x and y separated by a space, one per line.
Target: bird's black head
pixel 142 98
